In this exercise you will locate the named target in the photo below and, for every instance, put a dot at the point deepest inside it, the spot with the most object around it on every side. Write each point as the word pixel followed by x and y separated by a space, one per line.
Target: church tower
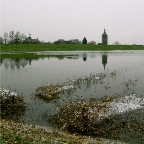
pixel 104 38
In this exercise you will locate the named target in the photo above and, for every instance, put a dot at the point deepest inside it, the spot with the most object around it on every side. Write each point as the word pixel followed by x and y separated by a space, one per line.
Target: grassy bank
pixel 64 47
pixel 30 56
pixel 13 132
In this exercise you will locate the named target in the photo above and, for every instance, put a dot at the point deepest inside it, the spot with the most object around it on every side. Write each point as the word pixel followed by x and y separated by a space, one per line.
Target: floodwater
pixel 124 72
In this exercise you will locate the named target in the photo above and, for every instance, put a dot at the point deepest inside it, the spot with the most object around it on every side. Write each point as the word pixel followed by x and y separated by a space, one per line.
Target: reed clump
pixel 11 104
pixel 49 92
pixel 80 117
pixel 87 118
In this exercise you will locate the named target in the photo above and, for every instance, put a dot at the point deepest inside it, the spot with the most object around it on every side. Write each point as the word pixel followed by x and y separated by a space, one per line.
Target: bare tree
pixel 5 37
pixel 17 38
pixel 23 37
pixel 11 37
pixel 116 43
pixel 1 40
pixel 92 42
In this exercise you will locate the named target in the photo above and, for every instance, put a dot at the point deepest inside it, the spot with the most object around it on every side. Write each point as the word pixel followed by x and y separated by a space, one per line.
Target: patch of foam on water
pixel 122 105
pixel 5 92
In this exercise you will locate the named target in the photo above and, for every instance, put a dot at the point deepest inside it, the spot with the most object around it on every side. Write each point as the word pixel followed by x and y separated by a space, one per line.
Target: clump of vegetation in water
pixel 86 119
pixel 56 91
pixel 80 117
pixel 49 92
pixel 12 105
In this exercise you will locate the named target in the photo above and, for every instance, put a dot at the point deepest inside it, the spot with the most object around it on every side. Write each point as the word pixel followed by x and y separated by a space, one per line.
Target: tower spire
pixel 104 31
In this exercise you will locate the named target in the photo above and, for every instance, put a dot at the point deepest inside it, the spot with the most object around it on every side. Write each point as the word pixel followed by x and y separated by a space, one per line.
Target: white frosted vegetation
pixel 122 105
pixel 5 92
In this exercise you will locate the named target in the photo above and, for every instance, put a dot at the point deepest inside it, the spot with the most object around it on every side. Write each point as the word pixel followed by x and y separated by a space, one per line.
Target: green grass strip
pixel 65 47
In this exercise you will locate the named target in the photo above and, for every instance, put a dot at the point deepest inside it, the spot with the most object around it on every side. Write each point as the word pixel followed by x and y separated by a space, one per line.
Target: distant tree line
pixel 18 38
pixel 12 38
pixel 74 41
pixel 62 41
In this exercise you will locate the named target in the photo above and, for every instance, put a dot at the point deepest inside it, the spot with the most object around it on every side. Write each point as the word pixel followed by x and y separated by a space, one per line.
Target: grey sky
pixel 50 20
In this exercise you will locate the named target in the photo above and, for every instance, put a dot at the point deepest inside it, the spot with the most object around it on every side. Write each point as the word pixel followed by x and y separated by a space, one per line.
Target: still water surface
pixel 25 75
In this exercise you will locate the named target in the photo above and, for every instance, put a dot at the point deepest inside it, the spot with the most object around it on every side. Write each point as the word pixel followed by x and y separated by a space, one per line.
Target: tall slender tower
pixel 104 38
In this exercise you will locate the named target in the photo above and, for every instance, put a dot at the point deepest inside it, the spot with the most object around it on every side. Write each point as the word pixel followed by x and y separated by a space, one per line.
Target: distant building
pixel 104 38
pixel 29 40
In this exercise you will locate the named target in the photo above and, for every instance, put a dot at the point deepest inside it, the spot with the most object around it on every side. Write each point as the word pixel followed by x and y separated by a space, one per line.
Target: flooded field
pixel 81 78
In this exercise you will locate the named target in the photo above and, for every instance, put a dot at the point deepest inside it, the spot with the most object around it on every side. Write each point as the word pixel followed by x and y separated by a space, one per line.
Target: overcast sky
pixel 50 20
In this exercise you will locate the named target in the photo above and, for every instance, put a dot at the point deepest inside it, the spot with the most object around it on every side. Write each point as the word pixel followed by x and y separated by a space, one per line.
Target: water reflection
pixel 18 63
pixel 13 63
pixel 23 62
pixel 104 60
pixel 84 56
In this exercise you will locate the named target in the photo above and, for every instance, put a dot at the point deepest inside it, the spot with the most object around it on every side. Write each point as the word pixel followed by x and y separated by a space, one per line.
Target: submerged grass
pixel 65 47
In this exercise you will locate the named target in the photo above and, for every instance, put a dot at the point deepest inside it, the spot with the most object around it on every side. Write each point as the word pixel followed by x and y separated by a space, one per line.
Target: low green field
pixel 64 47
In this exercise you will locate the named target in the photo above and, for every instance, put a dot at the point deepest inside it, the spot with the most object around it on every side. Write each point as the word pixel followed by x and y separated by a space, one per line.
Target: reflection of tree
pixel 60 57
pixel 30 60
pixel 22 62
pixel 15 62
pixel 104 60
pixel 84 56
pixel 1 60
